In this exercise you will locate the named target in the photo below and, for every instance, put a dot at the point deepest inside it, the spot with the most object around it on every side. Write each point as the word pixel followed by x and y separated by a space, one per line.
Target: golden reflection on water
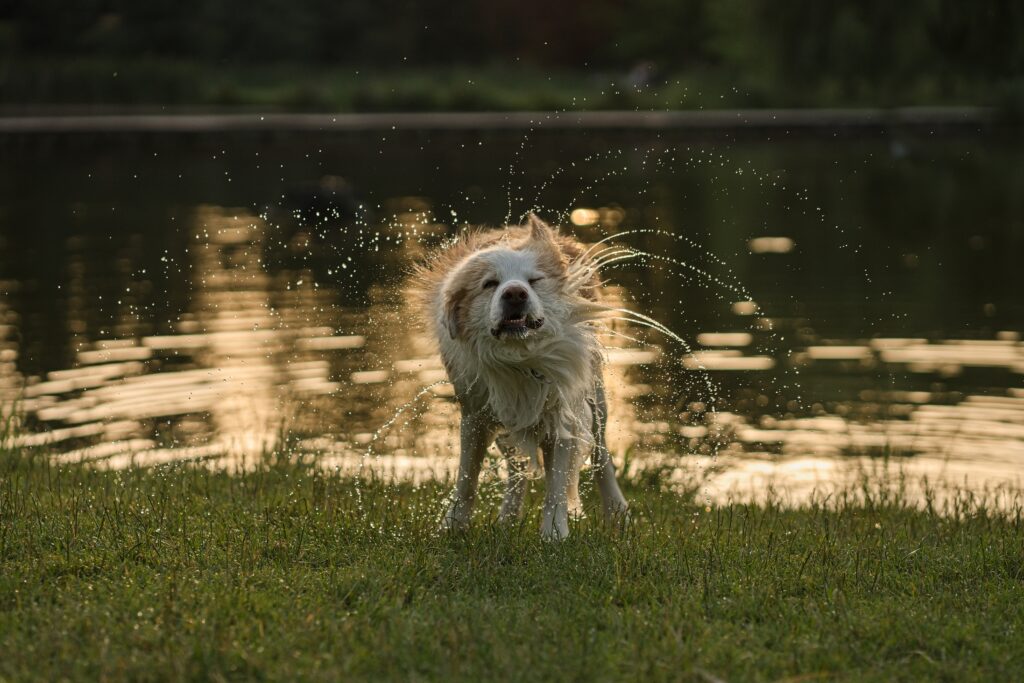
pixel 268 360
pixel 10 378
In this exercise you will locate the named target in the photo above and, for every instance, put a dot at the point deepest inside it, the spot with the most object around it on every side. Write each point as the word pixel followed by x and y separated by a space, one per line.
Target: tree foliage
pixel 842 48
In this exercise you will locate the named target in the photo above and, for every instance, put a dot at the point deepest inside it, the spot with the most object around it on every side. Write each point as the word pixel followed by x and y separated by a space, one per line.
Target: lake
pixel 848 301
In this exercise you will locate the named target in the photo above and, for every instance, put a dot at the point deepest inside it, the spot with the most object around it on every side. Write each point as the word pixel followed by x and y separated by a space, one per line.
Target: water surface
pixel 845 302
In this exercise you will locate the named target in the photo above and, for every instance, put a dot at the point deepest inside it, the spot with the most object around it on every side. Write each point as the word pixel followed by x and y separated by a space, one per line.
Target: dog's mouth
pixel 517 327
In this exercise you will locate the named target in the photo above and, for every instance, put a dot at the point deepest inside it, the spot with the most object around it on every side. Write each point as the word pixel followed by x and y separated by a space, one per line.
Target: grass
pixel 292 87
pixel 281 573
pixel 153 83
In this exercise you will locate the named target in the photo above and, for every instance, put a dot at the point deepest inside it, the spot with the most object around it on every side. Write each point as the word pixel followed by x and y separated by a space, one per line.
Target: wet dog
pixel 512 312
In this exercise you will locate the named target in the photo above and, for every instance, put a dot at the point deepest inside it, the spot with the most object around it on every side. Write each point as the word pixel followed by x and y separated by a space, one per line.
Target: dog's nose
pixel 515 294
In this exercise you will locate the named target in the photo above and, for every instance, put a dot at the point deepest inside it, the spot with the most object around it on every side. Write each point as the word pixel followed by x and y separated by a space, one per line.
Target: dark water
pixel 196 296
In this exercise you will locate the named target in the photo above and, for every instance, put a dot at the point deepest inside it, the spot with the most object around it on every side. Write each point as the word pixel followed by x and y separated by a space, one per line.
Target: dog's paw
pixel 510 518
pixel 455 519
pixel 555 533
pixel 618 516
pixel 555 524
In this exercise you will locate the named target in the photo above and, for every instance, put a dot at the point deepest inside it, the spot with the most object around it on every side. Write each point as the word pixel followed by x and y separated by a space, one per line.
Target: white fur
pixel 538 391
pixel 536 387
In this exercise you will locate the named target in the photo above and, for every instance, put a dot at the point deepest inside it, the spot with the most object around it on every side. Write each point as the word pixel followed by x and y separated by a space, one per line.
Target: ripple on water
pixel 264 360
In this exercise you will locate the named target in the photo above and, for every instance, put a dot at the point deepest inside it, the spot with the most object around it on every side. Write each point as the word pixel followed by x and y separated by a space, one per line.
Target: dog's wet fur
pixel 512 312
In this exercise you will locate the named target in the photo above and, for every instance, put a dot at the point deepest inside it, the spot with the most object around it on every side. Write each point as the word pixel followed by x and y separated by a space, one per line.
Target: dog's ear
pixel 453 298
pixel 545 243
pixel 539 230
pixel 458 295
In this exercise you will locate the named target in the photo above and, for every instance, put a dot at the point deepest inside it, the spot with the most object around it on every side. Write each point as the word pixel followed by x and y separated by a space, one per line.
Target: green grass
pixel 149 83
pixel 292 87
pixel 281 573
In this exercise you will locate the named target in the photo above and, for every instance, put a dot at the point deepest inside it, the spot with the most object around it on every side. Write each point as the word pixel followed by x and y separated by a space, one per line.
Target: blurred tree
pixel 805 50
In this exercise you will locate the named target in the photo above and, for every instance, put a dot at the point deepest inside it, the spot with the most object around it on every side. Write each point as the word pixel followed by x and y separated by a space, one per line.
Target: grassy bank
pixel 283 573
pixel 149 83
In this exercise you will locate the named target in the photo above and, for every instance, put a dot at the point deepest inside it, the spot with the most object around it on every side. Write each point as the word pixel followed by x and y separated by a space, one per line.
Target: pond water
pixel 847 302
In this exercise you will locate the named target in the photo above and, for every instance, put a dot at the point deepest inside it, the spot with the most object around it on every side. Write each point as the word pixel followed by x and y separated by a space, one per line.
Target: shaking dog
pixel 513 313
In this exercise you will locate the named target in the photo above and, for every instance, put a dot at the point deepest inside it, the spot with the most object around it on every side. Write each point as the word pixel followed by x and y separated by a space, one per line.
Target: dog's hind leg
pixel 612 500
pixel 558 468
pixel 515 491
pixel 476 434
pixel 573 485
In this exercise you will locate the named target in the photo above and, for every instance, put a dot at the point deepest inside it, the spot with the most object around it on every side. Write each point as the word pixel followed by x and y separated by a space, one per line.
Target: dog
pixel 512 312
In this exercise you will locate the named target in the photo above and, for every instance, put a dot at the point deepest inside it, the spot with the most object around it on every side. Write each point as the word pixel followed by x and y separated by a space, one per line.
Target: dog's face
pixel 507 292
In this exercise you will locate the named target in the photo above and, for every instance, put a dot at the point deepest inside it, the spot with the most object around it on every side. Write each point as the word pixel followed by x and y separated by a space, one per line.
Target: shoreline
pixel 961 118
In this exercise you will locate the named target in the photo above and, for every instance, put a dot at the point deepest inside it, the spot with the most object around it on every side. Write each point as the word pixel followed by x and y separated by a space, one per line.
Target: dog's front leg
pixel 476 434
pixel 615 506
pixel 559 467
pixel 515 491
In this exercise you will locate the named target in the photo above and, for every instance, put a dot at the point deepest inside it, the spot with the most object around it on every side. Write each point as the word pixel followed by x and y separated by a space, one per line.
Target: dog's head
pixel 509 291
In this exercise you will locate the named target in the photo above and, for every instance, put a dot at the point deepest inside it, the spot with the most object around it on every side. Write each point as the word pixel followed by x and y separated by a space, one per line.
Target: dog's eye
pixel 490 284
pixel 534 280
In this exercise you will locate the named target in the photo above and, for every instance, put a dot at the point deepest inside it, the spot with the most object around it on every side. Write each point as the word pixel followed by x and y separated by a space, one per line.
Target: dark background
pixel 500 54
